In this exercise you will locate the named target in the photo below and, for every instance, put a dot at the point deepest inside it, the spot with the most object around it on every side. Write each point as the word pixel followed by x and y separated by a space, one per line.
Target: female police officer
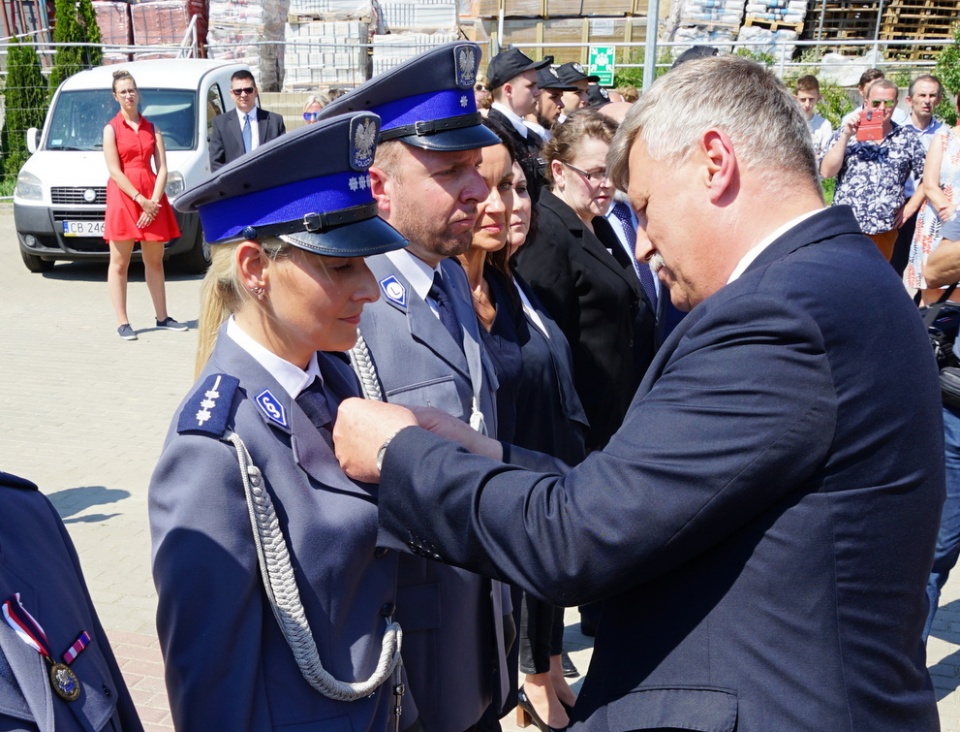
pixel 274 604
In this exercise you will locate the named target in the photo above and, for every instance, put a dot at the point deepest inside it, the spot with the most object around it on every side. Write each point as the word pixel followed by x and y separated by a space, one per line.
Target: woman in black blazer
pixel 578 269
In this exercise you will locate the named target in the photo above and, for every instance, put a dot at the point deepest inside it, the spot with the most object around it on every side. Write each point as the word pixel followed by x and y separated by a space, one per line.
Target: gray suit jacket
pixel 228 666
pixel 38 560
pixel 452 619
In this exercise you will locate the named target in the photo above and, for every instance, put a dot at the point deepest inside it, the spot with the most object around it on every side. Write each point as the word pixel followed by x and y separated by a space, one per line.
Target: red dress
pixel 135 148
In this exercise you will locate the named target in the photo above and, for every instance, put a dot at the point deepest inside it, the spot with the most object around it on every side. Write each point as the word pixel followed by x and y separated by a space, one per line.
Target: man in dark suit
pixel 422 341
pixel 762 526
pixel 244 131
pixel 57 671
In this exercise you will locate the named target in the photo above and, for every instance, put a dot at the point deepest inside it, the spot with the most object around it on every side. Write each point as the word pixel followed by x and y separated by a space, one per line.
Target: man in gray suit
pixel 421 339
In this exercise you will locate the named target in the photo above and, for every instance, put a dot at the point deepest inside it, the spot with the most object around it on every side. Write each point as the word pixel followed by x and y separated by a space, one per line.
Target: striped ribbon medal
pixel 62 678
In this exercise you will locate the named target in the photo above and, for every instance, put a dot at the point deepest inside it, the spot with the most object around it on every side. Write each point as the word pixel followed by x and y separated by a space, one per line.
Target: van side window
pixel 214 106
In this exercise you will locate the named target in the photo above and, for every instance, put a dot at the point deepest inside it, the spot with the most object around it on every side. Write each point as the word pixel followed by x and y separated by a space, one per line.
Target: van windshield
pixel 80 116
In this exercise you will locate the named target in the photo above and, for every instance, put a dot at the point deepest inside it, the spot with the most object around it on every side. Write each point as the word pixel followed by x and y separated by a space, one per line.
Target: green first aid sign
pixel 602 62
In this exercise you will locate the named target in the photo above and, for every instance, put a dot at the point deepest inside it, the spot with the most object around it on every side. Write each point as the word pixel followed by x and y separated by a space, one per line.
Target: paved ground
pixel 85 418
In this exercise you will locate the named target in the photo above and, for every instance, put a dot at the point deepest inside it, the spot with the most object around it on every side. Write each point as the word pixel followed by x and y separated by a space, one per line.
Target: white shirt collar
pixel 292 378
pixel 767 241
pixel 514 118
pixel 417 272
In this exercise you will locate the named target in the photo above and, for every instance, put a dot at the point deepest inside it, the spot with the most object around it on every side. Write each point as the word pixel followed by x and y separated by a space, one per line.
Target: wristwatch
pixel 382 452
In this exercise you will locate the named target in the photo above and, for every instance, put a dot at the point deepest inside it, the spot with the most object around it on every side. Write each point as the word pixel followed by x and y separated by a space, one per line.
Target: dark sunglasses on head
pixel 243 90
pixel 310 116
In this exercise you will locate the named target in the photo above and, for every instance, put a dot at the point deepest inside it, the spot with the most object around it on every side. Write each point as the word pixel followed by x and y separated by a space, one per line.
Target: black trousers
pixel 541 634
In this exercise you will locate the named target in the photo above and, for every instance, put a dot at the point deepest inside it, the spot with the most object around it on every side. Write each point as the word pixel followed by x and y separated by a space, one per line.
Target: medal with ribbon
pixel 62 678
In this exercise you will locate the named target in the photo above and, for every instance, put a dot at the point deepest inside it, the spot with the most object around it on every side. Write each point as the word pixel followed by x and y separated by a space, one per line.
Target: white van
pixel 61 192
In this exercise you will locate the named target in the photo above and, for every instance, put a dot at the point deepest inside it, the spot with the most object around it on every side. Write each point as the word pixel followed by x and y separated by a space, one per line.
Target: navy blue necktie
pixel 247 134
pixel 313 402
pixel 622 212
pixel 445 308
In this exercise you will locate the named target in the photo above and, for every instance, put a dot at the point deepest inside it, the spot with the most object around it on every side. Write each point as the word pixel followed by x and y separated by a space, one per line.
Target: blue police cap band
pixel 439 110
pixel 284 204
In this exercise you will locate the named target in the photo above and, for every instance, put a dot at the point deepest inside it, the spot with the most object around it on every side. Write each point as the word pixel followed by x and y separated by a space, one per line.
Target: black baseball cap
pixel 509 64
pixel 572 72
pixel 547 79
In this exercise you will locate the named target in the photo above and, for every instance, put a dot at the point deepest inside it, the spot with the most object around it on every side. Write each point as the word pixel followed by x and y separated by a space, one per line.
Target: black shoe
pixel 569 668
pixel 523 702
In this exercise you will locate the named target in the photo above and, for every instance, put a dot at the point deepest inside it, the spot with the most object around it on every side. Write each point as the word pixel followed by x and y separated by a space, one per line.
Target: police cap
pixel 572 72
pixel 547 79
pixel 509 64
pixel 426 102
pixel 310 187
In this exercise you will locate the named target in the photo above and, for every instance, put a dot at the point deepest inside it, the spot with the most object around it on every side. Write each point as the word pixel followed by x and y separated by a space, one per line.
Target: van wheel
pixel 35 263
pixel 197 259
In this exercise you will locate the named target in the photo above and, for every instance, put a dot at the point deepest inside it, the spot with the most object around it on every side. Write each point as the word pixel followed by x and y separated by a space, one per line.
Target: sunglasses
pixel 311 116
pixel 885 102
pixel 243 90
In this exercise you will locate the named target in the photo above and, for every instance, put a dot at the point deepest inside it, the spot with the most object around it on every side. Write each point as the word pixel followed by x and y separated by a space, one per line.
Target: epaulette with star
pixel 209 408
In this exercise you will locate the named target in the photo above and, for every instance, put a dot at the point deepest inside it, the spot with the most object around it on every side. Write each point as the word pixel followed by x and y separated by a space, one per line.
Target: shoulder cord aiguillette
pixel 281 587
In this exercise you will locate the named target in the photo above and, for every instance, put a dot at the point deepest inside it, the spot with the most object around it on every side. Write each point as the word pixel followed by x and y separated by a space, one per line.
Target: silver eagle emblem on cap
pixel 465 61
pixel 364 142
pixel 578 67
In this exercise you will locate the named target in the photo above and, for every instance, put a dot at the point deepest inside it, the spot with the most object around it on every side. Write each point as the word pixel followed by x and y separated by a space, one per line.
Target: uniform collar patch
pixel 272 408
pixel 394 291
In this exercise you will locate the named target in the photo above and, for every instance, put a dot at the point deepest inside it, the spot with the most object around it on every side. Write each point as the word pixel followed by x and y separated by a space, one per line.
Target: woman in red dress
pixel 137 208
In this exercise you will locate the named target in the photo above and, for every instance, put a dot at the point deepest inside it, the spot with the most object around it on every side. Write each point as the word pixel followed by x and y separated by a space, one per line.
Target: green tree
pixel 947 69
pixel 25 105
pixel 73 27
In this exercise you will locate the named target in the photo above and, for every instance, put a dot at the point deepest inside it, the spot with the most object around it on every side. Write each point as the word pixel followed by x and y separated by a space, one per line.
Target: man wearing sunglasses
pixel 245 130
pixel 871 173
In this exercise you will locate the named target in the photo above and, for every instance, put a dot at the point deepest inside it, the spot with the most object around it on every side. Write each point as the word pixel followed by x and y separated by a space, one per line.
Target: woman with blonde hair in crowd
pixel 312 107
pixel 137 207
pixel 275 605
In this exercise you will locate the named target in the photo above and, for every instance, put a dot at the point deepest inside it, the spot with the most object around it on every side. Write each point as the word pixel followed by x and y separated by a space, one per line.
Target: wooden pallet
pixel 773 25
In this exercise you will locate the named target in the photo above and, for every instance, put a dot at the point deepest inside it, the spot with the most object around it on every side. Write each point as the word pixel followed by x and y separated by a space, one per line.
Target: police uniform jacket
pixel 761 528
pixel 228 667
pixel 38 560
pixel 452 619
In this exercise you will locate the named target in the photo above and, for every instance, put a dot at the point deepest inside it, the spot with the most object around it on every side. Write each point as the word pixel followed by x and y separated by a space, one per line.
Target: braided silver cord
pixel 366 370
pixel 281 588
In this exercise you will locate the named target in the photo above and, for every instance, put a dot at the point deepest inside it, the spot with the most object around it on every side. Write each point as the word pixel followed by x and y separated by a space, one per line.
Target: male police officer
pixel 425 349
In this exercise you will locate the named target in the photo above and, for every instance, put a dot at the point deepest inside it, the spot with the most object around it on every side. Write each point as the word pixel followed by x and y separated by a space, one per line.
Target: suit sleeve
pixel 218 155
pixel 741 416
pixel 281 127
pixel 210 612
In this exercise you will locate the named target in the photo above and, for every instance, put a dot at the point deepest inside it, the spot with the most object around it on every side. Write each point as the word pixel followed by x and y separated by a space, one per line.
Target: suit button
pixel 380 552
pixel 388 610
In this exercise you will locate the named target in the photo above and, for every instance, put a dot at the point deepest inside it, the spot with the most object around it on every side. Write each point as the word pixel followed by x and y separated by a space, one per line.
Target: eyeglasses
pixel 311 116
pixel 595 177
pixel 243 90
pixel 885 102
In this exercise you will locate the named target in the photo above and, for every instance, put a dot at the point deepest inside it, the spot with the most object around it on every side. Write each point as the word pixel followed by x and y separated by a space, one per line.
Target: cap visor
pixel 361 239
pixel 462 138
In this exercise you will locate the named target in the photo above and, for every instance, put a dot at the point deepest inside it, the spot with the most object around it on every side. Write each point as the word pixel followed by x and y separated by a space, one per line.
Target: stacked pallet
pixel 412 28
pixel 113 19
pixel 584 22
pixel 706 22
pixel 910 20
pixel 392 49
pixel 320 53
pixel 251 32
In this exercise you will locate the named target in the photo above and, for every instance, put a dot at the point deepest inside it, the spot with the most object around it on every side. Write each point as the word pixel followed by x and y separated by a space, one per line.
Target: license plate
pixel 83 228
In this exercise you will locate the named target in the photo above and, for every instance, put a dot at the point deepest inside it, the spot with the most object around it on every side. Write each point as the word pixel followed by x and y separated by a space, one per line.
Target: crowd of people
pixel 489 357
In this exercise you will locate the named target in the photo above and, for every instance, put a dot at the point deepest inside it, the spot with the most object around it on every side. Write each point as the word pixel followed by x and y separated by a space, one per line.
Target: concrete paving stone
pixel 85 415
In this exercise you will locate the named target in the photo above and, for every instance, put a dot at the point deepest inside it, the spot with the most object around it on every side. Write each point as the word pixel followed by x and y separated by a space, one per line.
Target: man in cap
pixel 758 530
pixel 549 106
pixel 421 346
pixel 512 78
pixel 572 74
